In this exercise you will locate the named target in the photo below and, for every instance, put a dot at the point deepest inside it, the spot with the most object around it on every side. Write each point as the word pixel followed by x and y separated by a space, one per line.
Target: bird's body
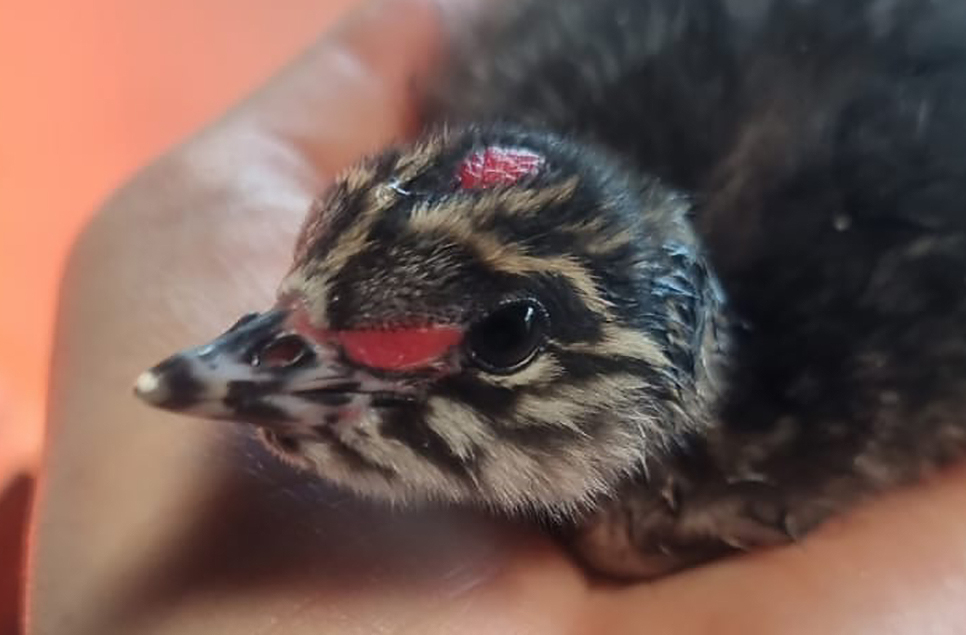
pixel 681 275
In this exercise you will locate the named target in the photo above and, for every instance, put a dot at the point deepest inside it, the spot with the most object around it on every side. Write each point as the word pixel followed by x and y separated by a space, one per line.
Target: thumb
pixel 356 89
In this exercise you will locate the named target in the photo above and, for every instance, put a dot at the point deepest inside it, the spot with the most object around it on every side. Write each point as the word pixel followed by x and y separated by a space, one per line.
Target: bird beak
pixel 260 371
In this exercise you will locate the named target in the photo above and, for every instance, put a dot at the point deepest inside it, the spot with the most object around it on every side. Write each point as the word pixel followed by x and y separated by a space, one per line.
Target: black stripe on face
pixel 536 436
pixel 355 459
pixel 389 400
pixel 585 366
pixel 493 402
pixel 245 400
pixel 326 398
pixel 408 426
pixel 344 208
pixel 334 396
pixel 242 389
pixel 571 319
pixel 657 385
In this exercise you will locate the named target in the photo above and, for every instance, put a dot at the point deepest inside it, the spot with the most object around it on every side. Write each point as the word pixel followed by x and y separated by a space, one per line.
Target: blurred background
pixel 90 91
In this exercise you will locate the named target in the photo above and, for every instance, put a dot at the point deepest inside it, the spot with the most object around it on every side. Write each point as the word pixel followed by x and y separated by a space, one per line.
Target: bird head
pixel 486 315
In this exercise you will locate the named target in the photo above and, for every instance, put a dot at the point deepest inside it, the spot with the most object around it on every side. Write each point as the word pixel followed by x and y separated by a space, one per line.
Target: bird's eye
pixel 509 338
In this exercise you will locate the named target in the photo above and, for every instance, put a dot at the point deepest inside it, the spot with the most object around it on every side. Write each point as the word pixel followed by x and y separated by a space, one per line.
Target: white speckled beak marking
pixel 262 372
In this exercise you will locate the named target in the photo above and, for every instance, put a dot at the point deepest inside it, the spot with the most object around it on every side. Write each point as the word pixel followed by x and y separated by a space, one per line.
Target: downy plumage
pixel 680 276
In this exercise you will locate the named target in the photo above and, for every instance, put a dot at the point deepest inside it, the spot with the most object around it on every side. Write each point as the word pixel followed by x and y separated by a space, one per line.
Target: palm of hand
pixel 188 529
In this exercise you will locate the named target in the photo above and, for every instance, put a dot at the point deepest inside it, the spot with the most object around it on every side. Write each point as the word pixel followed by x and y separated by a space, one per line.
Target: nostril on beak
pixel 282 352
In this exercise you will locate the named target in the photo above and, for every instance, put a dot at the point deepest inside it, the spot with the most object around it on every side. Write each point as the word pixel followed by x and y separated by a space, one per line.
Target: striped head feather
pixel 488 315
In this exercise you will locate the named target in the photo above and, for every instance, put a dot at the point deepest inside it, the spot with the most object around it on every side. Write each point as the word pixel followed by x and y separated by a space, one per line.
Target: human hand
pixel 148 523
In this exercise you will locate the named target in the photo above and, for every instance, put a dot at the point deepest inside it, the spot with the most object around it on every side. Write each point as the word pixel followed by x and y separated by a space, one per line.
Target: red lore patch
pixel 385 349
pixel 498 166
pixel 402 349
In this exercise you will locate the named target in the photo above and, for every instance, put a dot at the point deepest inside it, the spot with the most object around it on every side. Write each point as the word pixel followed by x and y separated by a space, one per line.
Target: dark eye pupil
pixel 508 338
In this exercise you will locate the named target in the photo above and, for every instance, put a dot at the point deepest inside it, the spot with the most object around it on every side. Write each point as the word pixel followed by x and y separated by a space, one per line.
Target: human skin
pixel 152 524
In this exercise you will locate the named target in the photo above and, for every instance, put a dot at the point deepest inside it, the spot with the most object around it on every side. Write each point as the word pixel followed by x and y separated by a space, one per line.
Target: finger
pixel 352 93
pixel 357 89
pixel 895 565
pixel 163 506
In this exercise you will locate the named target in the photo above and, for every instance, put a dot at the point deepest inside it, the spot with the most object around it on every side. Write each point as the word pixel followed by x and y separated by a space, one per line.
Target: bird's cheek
pixel 352 417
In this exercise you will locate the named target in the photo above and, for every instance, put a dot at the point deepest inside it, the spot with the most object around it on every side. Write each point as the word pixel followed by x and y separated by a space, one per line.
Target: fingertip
pixel 358 88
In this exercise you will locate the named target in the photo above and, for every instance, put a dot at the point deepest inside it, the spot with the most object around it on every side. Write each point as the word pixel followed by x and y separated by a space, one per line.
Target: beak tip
pixel 150 388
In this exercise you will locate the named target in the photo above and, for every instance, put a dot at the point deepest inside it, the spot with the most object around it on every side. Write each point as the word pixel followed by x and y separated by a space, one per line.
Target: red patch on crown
pixel 399 349
pixel 497 165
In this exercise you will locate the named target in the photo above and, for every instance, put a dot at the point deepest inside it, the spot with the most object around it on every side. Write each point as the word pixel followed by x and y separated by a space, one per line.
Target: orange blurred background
pixel 89 91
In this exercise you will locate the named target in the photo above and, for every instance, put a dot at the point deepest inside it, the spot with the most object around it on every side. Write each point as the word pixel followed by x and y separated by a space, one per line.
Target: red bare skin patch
pixel 400 349
pixel 497 165
pixel 397 349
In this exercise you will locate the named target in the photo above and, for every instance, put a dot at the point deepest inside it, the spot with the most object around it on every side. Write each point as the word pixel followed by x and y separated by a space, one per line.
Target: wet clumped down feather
pixel 682 277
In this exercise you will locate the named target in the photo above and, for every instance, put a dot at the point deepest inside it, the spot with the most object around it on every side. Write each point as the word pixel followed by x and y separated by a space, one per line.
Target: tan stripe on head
pixel 351 242
pixel 568 402
pixel 511 258
pixel 624 342
pixel 418 158
pixel 458 425
pixel 544 370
